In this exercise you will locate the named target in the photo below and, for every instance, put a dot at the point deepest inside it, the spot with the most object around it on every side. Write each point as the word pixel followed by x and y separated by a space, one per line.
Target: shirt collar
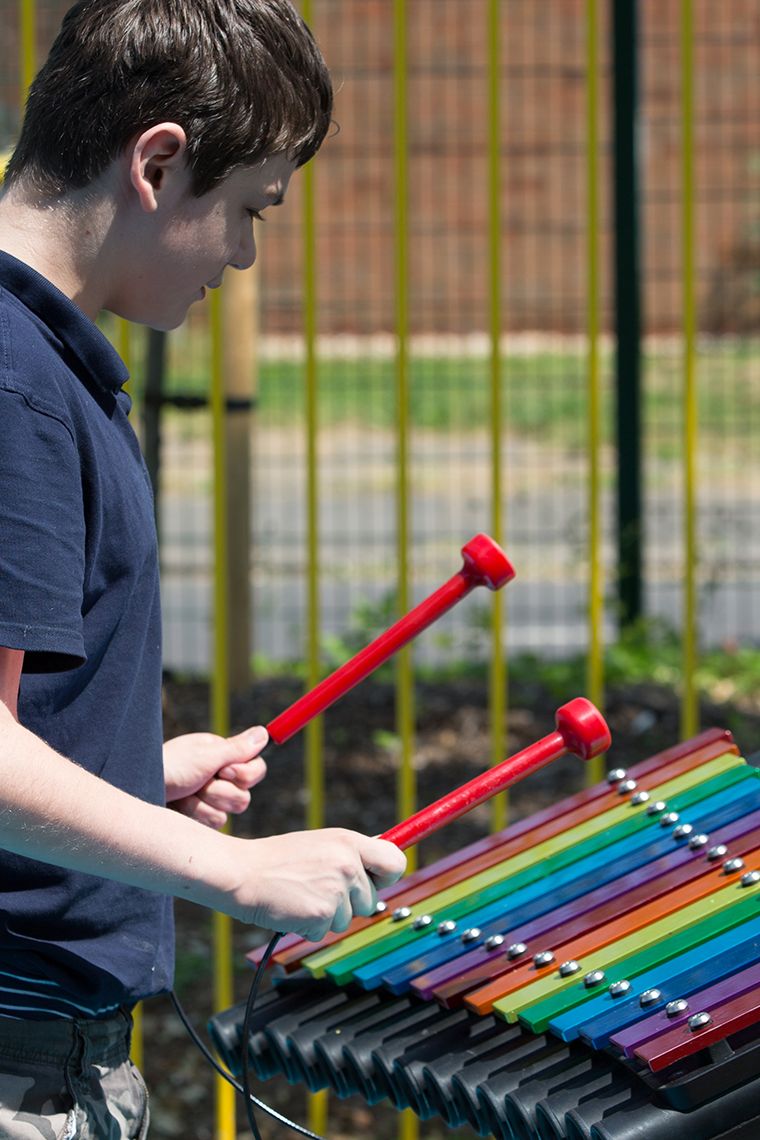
pixel 99 360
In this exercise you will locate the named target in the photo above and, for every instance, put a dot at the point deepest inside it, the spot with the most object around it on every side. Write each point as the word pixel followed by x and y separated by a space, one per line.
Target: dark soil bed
pixel 452 745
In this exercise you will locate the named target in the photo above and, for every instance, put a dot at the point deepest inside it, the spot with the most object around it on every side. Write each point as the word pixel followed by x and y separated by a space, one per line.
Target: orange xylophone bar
pixel 580 729
pixel 517 837
pixel 485 564
pixel 400 1020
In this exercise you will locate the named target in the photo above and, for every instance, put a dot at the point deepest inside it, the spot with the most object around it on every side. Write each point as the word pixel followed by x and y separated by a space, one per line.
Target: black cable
pixel 245 1088
pixel 246 1053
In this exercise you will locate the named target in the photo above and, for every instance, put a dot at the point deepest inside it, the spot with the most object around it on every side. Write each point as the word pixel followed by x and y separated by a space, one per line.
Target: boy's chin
pixel 161 322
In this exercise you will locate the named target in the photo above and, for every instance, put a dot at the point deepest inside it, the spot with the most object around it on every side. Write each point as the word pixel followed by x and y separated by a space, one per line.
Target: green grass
pixel 651 651
pixel 541 393
pixel 544 394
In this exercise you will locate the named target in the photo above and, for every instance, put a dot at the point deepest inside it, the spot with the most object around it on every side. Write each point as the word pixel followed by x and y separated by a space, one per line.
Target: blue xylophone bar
pixel 508 918
pixel 549 821
pixel 529 886
pixel 628 1058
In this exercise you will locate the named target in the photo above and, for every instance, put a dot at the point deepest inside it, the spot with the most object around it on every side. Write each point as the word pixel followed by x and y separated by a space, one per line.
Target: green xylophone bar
pixel 586 894
pixel 690 926
pixel 518 837
pixel 340 960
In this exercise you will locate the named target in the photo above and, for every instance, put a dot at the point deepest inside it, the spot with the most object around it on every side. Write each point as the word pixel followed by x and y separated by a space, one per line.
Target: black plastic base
pixel 498 1078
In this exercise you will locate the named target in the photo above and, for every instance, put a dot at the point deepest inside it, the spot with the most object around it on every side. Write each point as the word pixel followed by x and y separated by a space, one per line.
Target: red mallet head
pixel 580 729
pixel 583 728
pixel 485 563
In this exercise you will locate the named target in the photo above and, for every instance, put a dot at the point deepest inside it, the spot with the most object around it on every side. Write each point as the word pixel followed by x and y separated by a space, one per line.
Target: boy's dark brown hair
pixel 244 78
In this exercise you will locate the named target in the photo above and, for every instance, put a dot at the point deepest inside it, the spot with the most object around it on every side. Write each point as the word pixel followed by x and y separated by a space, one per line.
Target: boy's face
pixel 186 243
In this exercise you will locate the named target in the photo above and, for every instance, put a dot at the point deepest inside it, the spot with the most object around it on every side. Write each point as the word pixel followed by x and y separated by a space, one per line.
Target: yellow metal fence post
pixel 314 742
pixel 690 699
pixel 124 348
pixel 240 367
pixel 220 685
pixel 498 669
pixel 28 47
pixel 404 679
pixel 407 790
pixel 595 660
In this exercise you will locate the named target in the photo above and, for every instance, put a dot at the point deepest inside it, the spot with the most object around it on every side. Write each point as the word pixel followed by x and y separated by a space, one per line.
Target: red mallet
pixel 581 729
pixel 485 564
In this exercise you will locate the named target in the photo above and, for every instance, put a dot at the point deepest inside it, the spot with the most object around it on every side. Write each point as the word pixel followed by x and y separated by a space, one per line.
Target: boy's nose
pixel 246 254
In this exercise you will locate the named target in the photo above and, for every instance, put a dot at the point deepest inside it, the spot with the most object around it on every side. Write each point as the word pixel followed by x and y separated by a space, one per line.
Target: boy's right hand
pixel 310 882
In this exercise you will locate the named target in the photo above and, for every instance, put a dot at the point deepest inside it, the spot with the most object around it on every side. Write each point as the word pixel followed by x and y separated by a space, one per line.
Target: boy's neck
pixel 62 240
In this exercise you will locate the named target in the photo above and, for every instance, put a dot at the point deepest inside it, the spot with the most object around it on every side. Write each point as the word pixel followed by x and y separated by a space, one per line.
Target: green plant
pixel 648 651
pixel 367 620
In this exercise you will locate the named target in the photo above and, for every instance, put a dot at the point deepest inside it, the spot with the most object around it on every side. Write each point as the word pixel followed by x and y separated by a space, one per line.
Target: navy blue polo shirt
pixel 79 595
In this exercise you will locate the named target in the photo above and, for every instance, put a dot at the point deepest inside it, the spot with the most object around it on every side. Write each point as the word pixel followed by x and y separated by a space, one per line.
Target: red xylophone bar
pixel 485 564
pixel 524 833
pixel 581 729
pixel 473 1069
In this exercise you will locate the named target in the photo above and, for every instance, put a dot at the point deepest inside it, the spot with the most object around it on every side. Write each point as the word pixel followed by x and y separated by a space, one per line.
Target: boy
pixel 154 134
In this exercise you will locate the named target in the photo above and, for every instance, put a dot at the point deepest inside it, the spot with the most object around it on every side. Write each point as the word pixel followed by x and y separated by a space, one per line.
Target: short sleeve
pixel 42 537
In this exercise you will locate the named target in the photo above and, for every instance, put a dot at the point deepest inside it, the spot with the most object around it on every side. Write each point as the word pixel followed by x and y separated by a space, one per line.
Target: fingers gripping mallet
pixel 581 729
pixel 485 564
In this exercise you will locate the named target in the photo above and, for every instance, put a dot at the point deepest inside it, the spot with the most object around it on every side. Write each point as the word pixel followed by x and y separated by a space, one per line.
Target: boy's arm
pixel 55 811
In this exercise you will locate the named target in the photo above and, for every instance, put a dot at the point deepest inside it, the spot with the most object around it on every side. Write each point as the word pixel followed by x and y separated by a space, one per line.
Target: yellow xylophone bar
pixel 367 943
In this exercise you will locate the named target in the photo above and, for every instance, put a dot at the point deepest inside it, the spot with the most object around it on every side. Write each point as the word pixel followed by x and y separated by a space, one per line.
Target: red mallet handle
pixel 485 564
pixel 581 729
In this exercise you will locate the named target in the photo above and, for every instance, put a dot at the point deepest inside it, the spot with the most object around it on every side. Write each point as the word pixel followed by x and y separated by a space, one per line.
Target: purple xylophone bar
pixel 708 1016
pixel 519 836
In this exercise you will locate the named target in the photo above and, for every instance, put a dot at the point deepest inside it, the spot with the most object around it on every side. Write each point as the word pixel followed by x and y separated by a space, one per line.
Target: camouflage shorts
pixel 70 1080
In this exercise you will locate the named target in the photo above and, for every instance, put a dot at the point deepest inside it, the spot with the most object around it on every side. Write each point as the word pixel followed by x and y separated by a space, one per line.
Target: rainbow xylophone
pixel 592 971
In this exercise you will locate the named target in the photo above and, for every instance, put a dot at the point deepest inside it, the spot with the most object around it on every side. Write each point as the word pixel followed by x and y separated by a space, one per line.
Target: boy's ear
pixel 157 154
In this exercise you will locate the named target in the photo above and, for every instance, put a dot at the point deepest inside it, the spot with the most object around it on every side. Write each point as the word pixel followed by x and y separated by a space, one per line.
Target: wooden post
pixel 240 322
pixel 152 404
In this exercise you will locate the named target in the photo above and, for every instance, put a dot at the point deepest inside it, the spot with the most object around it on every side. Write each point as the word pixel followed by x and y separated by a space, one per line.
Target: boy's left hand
pixel 209 776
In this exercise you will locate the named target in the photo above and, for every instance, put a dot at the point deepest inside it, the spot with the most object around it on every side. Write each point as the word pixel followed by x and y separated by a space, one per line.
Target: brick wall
pixel 543 167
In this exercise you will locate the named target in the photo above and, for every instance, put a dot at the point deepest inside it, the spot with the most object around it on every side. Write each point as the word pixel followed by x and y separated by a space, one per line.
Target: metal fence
pixel 524 315
pixel 518 292
pixel 463 239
